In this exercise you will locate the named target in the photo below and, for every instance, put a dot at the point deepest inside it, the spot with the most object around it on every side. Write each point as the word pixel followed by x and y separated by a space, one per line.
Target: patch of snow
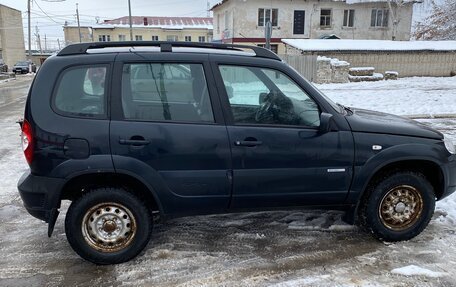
pixel 369 45
pixel 413 270
pixel 392 73
pixel 301 281
pixel 339 63
pixel 374 77
pixel 323 58
pixel 359 69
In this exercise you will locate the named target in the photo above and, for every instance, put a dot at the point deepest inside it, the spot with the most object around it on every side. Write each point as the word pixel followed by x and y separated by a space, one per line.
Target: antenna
pixel 208 9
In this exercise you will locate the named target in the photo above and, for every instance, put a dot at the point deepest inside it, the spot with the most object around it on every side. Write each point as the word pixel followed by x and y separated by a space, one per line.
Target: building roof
pixel 172 23
pixel 311 45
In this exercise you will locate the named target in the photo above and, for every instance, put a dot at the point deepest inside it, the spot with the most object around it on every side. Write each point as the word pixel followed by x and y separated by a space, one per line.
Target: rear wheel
pixel 108 226
pixel 399 207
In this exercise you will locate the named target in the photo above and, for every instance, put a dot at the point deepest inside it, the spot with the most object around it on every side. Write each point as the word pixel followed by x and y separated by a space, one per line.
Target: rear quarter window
pixel 81 92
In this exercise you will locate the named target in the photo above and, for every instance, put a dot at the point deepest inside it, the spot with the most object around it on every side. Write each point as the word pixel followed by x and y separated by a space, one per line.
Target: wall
pixel 12 39
pixel 242 20
pixel 408 64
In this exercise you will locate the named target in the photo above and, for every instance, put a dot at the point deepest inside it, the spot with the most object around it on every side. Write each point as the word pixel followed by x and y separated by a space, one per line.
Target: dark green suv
pixel 128 130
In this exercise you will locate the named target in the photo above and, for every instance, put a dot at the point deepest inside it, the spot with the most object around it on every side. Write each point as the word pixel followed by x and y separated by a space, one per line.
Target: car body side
pixel 56 174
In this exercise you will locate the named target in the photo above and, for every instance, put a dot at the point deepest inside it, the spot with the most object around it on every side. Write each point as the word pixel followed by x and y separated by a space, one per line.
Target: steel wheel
pixel 401 207
pixel 109 227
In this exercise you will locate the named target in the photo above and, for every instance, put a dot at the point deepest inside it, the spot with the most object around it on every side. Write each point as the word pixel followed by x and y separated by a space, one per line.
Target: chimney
pixel 145 21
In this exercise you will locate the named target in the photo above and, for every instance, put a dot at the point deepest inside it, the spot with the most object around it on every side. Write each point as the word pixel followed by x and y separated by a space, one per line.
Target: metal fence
pixel 306 65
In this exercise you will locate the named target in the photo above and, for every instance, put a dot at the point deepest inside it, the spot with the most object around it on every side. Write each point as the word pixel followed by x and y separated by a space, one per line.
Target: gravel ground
pixel 281 248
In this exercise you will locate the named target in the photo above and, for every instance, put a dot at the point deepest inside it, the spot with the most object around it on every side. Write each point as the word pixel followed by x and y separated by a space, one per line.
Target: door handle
pixel 248 143
pixel 134 142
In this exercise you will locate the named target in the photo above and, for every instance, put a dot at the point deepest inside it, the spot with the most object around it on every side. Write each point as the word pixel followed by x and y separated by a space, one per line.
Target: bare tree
pixel 395 8
pixel 440 25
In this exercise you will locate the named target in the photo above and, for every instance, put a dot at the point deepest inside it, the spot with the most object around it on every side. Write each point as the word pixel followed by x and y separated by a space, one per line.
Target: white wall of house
pixel 239 19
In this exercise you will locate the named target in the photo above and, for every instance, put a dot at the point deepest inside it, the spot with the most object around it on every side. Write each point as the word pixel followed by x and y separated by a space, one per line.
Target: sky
pixel 89 10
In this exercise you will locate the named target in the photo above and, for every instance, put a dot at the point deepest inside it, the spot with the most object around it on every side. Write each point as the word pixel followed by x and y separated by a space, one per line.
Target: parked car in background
pixel 23 67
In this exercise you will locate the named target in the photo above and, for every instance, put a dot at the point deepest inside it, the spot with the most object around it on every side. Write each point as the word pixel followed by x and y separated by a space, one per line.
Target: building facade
pixel 12 48
pixel 243 21
pixel 190 29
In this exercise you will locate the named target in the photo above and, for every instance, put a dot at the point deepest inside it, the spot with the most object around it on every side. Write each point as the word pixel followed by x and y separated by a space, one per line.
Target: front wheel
pixel 108 226
pixel 399 207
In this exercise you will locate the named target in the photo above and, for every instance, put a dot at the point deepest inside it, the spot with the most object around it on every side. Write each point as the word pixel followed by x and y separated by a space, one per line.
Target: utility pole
pixel 29 31
pixel 129 20
pixel 58 43
pixel 79 26
pixel 45 43
pixel 208 9
pixel 38 39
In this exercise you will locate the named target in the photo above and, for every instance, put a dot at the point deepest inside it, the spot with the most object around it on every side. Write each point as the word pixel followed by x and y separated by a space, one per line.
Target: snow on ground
pixel 406 96
pixel 280 248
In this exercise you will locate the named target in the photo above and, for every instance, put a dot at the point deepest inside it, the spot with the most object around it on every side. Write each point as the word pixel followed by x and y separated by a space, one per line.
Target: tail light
pixel 27 141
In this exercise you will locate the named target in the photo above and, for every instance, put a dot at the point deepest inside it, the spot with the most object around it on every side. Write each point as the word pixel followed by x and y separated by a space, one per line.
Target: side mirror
pixel 325 122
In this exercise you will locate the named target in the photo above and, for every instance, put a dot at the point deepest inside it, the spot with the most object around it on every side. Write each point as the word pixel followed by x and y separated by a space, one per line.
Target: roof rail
pixel 81 48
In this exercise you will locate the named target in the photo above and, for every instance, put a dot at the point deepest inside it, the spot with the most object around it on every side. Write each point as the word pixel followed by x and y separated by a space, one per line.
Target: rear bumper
pixel 41 195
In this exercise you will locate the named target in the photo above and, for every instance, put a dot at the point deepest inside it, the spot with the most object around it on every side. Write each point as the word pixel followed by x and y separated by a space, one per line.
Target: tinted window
pixel 165 92
pixel 81 91
pixel 265 96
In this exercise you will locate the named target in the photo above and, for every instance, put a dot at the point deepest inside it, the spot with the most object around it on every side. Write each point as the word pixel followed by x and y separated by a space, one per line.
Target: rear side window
pixel 165 92
pixel 81 91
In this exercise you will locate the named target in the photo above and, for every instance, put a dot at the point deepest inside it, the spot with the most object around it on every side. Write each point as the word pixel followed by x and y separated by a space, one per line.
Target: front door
pixel 165 130
pixel 279 155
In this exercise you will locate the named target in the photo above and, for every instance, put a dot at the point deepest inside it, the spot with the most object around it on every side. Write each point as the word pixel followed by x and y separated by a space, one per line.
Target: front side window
pixel 325 18
pixel 266 15
pixel 267 97
pixel 379 18
pixel 166 92
pixel 81 91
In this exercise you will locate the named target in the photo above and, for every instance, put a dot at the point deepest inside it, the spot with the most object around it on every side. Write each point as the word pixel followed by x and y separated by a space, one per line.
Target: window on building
pixel 201 39
pixel 218 23
pixel 172 38
pixel 81 91
pixel 379 18
pixel 138 37
pixel 154 38
pixel 266 15
pixel 104 38
pixel 349 18
pixel 122 38
pixel 325 18
pixel 166 92
pixel 188 38
pixel 274 47
pixel 227 20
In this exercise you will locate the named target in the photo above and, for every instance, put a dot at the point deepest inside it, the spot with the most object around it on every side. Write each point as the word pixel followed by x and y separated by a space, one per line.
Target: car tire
pixel 108 226
pixel 398 207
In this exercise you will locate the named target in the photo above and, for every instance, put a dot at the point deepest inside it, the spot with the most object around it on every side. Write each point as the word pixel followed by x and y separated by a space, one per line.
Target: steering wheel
pixel 265 111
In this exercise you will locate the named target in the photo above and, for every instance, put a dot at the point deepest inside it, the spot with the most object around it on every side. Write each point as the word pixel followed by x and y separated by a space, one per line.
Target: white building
pixel 243 21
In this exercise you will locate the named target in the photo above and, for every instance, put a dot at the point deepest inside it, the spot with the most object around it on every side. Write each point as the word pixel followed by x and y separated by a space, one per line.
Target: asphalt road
pixel 282 248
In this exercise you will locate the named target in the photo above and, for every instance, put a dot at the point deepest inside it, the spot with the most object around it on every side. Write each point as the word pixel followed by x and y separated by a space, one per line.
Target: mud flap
pixel 52 219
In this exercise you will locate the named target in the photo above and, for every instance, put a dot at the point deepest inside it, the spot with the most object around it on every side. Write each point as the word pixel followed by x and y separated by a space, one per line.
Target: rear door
pixel 280 158
pixel 167 129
